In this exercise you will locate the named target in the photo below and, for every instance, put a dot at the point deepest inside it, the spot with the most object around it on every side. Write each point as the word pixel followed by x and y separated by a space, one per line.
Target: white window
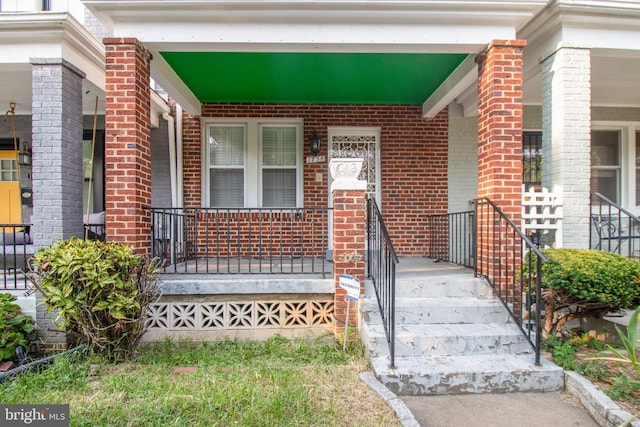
pixel 8 169
pixel 615 162
pixel 227 153
pixel 605 163
pixel 252 163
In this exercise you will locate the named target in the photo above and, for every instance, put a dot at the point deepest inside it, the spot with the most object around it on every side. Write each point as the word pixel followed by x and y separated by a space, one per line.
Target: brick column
pixel 128 146
pixel 57 150
pixel 566 138
pixel 500 151
pixel 349 216
pixel 56 167
pixel 500 125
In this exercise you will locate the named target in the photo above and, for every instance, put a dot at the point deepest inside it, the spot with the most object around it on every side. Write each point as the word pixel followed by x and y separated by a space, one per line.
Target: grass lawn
pixel 272 383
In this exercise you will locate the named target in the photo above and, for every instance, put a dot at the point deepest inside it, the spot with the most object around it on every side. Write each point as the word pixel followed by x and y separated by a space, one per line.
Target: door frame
pixel 354 132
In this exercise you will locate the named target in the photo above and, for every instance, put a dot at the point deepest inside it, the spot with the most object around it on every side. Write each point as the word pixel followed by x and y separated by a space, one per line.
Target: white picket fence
pixel 542 213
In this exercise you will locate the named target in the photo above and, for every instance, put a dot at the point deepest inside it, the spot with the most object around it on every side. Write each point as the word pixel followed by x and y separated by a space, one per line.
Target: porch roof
pixel 323 51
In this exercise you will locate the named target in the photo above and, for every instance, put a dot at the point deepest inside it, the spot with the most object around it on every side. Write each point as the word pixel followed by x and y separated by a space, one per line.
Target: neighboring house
pixel 439 98
pixel 52 93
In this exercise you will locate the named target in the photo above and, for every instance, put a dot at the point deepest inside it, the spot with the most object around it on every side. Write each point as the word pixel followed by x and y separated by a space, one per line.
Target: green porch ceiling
pixel 312 78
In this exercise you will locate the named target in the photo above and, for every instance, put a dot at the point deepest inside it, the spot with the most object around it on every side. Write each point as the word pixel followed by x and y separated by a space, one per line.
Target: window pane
pixel 605 182
pixel 226 188
pixel 226 145
pixel 279 146
pixel 87 160
pixel 605 148
pixel 278 188
pixel 8 170
pixel 532 159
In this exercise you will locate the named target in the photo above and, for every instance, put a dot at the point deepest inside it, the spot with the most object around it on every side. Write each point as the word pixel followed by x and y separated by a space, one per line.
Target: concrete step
pixel 420 376
pixel 444 286
pixel 447 339
pixel 439 310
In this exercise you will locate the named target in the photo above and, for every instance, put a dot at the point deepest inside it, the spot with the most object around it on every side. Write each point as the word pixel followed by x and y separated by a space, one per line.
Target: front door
pixel 357 142
pixel 10 202
pixel 362 142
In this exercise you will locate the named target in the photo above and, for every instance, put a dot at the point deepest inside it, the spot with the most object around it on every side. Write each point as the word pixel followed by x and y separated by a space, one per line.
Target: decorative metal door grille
pixel 359 146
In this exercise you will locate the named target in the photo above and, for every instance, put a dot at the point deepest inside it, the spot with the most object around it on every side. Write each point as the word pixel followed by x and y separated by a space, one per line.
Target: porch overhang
pixel 421 28
pixel 609 29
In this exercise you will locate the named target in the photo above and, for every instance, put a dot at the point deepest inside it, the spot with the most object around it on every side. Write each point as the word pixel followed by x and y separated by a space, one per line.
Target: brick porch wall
pixel 413 159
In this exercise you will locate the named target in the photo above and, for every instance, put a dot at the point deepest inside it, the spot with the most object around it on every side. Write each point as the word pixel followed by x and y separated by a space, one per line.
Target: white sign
pixel 351 285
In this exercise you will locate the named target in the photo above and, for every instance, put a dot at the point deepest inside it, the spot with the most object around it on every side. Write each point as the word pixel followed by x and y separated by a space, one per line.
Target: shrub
pixel 101 291
pixel 15 327
pixel 582 283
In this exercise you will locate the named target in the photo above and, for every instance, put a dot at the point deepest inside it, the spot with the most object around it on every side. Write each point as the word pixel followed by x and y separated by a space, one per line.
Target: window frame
pixel 253 158
pixel 616 168
pixel 532 184
pixel 628 134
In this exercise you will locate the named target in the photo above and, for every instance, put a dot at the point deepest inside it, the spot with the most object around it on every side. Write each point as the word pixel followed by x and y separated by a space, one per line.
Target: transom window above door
pixel 252 163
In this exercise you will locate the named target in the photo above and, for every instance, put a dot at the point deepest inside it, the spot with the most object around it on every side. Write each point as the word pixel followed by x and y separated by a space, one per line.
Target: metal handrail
pixel 381 270
pixel 505 257
pixel 613 228
pixel 451 237
pixel 241 240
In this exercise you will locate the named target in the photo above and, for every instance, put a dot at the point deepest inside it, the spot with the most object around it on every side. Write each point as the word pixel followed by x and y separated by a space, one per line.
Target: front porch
pixel 206 307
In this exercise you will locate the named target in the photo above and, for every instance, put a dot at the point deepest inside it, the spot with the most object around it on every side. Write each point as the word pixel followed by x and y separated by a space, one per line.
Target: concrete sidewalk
pixel 557 409
pixel 581 404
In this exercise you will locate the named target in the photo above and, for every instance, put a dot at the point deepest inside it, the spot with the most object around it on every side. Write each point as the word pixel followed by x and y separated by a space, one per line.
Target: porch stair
pixel 452 337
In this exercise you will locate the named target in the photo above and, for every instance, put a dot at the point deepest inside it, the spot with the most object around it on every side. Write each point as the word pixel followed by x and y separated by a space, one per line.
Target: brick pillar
pixel 56 167
pixel 128 146
pixel 500 125
pixel 57 150
pixel 349 216
pixel 566 138
pixel 500 155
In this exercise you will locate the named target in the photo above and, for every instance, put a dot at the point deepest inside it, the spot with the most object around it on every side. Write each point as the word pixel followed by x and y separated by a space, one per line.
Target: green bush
pixel 101 291
pixel 581 283
pixel 15 327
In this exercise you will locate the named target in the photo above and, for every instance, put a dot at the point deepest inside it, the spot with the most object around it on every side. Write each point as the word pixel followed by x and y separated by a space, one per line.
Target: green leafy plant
pixel 623 387
pixel 629 343
pixel 15 327
pixel 563 352
pixel 582 283
pixel 100 290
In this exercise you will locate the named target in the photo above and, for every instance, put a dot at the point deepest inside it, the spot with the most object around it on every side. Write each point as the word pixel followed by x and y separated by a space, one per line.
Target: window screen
pixel 279 161
pixel 226 166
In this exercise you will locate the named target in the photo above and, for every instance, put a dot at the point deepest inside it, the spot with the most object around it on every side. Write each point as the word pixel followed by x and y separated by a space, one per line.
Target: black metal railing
pixel 613 228
pixel 15 251
pixel 95 232
pixel 505 257
pixel 451 238
pixel 381 270
pixel 241 240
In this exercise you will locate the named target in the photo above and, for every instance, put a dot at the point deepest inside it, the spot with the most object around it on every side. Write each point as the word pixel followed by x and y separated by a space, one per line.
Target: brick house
pixel 436 97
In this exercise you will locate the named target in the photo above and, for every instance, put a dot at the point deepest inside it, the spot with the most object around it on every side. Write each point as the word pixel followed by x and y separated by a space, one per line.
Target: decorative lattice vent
pixel 226 315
